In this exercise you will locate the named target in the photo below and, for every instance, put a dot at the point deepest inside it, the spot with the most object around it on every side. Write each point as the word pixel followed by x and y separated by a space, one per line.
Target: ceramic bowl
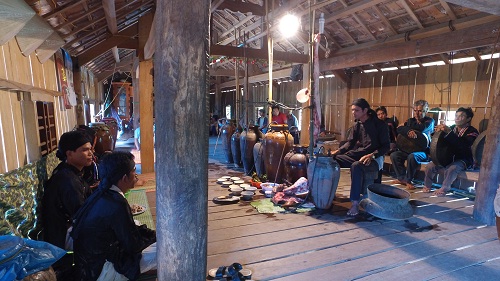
pixel 239 182
pixel 235 178
pixel 268 193
pixel 221 180
pixel 244 185
pixel 268 186
pixel 225 177
pixel 247 195
pixel 250 188
pixel 236 190
pixel 226 183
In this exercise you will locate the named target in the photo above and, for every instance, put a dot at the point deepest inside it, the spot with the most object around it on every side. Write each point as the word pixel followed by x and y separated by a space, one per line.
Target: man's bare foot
pixel 410 186
pixel 426 189
pixel 354 210
pixel 440 192
pixel 397 182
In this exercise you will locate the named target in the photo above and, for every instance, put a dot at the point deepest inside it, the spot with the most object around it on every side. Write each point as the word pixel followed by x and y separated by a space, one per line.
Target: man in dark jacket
pixel 368 141
pixel 460 138
pixel 64 193
pixel 418 123
pixel 106 238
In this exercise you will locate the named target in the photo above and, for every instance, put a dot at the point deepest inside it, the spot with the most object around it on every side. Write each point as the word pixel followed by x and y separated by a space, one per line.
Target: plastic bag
pixel 148 259
pixel 21 257
pixel 109 273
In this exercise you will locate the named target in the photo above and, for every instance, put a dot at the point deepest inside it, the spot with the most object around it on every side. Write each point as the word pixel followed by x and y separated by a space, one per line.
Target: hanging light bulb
pixel 289 24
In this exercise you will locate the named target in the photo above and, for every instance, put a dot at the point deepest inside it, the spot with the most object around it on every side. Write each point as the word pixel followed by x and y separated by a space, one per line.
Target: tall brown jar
pixel 248 139
pixel 296 163
pixel 277 142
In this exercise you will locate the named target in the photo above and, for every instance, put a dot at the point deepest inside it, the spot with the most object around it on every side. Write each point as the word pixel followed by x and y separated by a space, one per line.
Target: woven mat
pixel 139 197
pixel 266 206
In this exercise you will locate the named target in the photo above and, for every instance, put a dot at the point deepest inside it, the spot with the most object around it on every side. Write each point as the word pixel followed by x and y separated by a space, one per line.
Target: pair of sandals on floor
pixel 232 272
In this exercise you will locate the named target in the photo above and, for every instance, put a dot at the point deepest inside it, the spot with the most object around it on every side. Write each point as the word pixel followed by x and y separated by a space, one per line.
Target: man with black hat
pixel 64 194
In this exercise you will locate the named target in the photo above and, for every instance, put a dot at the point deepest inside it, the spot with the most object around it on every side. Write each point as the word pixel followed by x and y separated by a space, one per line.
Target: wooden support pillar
pixel 77 82
pixel 181 101
pixel 489 174
pixel 146 113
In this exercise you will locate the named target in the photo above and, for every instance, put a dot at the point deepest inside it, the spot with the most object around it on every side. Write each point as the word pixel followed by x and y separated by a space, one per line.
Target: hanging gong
pixel 409 145
pixel 441 153
pixel 477 148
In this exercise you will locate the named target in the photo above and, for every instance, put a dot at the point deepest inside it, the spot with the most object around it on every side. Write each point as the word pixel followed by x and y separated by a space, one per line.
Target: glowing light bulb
pixel 289 24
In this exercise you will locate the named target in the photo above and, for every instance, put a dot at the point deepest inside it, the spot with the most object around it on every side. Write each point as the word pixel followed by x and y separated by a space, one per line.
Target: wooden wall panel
pixel 18 69
pixel 468 72
pixel 50 75
pixel 3 65
pixel 37 71
pixel 10 148
pixel 17 117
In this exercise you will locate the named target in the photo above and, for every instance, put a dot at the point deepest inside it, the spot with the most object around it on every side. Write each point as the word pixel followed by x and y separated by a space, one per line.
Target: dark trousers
pixel 414 159
pixel 358 172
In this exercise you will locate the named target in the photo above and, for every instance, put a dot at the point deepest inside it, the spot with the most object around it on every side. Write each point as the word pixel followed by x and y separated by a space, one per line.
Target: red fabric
pixel 280 119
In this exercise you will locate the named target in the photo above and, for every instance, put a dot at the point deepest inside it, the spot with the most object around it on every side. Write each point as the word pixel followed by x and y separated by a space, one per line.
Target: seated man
pixel 420 123
pixel 460 137
pixel 64 193
pixel 106 239
pixel 369 140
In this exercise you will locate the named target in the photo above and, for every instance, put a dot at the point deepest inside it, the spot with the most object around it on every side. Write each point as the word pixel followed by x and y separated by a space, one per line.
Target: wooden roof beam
pixel 242 7
pixel 109 43
pixel 62 9
pixel 110 14
pixel 411 13
pixel 468 38
pixel 229 51
pixel 448 10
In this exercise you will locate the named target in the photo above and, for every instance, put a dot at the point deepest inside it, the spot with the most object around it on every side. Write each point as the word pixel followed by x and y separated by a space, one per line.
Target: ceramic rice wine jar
pixel 258 158
pixel 277 142
pixel 248 139
pixel 235 148
pixel 323 174
pixel 296 163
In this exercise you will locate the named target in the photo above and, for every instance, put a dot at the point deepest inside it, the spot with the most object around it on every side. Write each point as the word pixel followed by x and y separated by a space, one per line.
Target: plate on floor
pixel 226 199
pixel 137 209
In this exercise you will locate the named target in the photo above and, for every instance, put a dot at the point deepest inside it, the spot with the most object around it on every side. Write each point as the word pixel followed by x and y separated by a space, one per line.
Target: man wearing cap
pixel 64 193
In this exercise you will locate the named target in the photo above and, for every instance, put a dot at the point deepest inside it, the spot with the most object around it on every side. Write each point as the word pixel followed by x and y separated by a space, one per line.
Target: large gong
pixel 409 145
pixel 441 152
pixel 477 148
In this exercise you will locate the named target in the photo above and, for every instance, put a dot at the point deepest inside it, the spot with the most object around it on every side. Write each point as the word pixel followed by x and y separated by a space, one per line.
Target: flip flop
pixel 410 186
pixel 350 213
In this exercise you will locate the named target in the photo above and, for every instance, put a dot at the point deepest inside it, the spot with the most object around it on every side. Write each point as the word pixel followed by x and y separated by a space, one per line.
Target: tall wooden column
pixel 489 174
pixel 146 115
pixel 77 82
pixel 146 112
pixel 181 103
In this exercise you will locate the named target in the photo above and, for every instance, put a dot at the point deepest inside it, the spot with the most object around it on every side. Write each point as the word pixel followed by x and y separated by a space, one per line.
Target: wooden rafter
pixel 411 13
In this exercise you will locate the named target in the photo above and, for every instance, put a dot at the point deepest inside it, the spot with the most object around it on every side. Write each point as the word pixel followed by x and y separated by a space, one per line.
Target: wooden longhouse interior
pixel 172 64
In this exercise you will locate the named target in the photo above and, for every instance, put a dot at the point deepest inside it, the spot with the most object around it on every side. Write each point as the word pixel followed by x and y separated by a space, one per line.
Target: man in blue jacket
pixel 106 238
pixel 460 138
pixel 418 123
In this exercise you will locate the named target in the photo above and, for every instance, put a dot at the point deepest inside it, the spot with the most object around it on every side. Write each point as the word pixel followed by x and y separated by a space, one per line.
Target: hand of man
pixel 412 134
pixel 442 127
pixel 335 152
pixel 367 159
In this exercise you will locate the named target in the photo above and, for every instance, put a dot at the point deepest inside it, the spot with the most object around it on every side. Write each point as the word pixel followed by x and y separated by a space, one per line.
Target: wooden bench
pixel 464 181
